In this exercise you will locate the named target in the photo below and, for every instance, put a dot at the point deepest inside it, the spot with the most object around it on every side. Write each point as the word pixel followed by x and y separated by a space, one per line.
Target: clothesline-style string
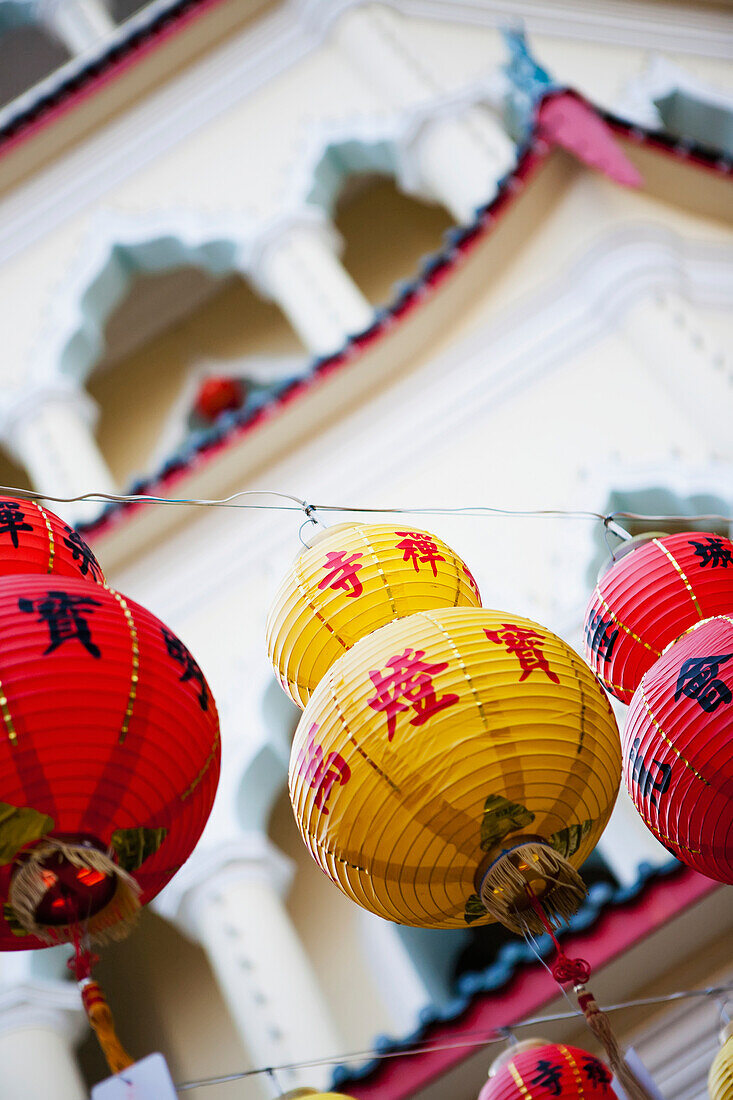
pixel 463 1039
pixel 311 510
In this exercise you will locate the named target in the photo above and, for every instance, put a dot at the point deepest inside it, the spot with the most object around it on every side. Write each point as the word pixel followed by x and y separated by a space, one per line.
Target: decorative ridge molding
pixel 231 427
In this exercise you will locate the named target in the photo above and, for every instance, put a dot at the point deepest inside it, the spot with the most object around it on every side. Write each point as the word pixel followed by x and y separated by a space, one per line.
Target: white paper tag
pixel 635 1063
pixel 148 1079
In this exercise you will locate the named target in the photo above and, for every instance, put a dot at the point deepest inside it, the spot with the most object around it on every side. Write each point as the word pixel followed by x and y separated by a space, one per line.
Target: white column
pixel 50 433
pixel 295 263
pixel 671 338
pixel 233 906
pixel 455 159
pixel 80 24
pixel 40 1024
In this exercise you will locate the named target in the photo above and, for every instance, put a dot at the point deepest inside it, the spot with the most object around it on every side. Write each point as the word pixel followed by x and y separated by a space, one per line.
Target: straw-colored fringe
pixel 102 1023
pixel 504 888
pixel 27 889
pixel 600 1025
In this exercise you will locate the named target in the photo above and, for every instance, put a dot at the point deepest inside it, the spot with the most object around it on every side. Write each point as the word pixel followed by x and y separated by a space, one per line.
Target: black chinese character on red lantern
pixel 66 619
pixel 319 773
pixel 599 635
pixel 191 671
pixel 714 552
pixel 550 1075
pixel 643 776
pixel 342 573
pixel 418 548
pixel 11 521
pixel 408 683
pixel 526 645
pixel 597 1073
pixel 82 554
pixel 697 680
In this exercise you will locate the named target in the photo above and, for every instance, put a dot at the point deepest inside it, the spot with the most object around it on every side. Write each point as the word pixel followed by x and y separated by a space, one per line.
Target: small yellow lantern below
pixel 353 579
pixel 314 1094
pixel 720 1078
pixel 448 760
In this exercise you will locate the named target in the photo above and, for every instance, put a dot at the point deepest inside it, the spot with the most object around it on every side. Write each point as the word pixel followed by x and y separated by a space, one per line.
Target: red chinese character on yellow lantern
pixel 342 573
pixel 471 580
pixel 408 683
pixel 319 773
pixel 526 645
pixel 419 547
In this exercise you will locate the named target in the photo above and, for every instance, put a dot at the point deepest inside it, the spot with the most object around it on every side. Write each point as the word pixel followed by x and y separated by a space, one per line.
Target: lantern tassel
pixel 102 1023
pixel 600 1025
pixel 578 971
pixel 505 884
pixel 95 1004
pixel 30 882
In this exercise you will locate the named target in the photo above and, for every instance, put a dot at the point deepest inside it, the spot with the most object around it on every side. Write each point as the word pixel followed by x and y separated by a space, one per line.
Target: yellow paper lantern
pixel 313 1094
pixel 354 579
pixel 720 1078
pixel 448 759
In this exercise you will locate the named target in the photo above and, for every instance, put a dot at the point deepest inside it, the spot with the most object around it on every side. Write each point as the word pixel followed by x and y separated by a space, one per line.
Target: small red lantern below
pixel 678 748
pixel 109 759
pixel 651 596
pixel 34 540
pixel 217 395
pixel 544 1071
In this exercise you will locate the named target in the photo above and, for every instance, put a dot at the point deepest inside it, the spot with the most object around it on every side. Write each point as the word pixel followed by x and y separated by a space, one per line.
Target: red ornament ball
pixel 548 1071
pixel 678 748
pixel 651 596
pixel 217 395
pixel 34 540
pixel 109 758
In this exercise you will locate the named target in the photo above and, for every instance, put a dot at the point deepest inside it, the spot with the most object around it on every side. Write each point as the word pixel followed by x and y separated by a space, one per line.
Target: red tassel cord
pixel 95 1004
pixel 565 970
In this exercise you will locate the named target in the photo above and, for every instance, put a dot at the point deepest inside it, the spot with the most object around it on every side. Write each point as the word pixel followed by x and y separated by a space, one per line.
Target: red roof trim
pixel 111 64
pixel 613 933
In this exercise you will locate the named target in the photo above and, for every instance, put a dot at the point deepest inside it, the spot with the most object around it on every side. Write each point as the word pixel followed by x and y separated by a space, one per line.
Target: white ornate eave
pixel 278 41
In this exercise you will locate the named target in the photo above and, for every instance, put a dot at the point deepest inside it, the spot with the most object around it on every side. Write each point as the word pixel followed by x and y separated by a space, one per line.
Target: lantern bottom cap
pixel 531 865
pixel 62 884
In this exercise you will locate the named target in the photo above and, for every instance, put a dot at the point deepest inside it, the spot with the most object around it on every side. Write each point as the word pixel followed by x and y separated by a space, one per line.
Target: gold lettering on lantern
pixel 7 717
pixel 134 677
pixel 49 529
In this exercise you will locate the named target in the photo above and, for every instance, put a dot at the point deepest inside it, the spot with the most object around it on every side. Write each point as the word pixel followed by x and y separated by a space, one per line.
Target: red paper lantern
pixel 217 395
pixel 678 749
pixel 650 597
pixel 109 758
pixel 544 1072
pixel 34 540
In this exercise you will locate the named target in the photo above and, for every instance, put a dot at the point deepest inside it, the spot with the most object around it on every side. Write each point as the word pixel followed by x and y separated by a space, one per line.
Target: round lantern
pixel 34 540
pixel 678 748
pixel 314 1094
pixel 354 579
pixel 550 1070
pixel 448 760
pixel 650 597
pixel 720 1078
pixel 109 758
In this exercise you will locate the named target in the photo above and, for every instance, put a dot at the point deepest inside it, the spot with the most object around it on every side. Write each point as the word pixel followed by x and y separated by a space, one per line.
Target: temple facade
pixel 397 255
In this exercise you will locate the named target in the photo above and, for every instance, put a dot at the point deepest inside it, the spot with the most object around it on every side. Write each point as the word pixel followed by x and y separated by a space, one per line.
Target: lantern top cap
pixel 511 1052
pixel 320 534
